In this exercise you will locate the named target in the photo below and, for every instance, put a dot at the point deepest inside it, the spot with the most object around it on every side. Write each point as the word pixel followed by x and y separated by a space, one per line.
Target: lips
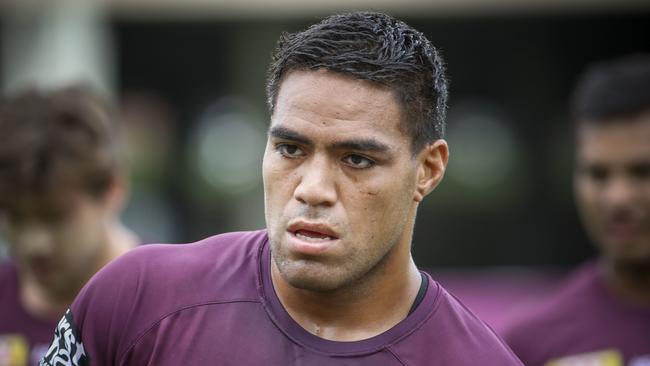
pixel 311 238
pixel 314 230
pixel 622 230
pixel 624 222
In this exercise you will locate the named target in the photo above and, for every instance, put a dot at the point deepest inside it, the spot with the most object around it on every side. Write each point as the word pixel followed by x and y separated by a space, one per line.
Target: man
pixel 357 107
pixel 601 316
pixel 60 194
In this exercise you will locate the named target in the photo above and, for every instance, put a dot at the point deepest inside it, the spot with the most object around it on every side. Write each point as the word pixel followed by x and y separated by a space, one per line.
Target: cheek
pixel 74 241
pixel 382 202
pixel 271 171
pixel 368 192
pixel 646 195
pixel 81 237
pixel 26 242
pixel 586 195
pixel 277 189
pixel 392 187
pixel 271 178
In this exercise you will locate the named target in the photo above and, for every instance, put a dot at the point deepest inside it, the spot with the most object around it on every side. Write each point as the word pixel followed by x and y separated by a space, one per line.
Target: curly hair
pixel 378 48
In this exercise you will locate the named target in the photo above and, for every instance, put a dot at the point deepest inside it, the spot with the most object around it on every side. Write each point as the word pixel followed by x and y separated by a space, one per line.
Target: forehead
pixel 315 100
pixel 616 140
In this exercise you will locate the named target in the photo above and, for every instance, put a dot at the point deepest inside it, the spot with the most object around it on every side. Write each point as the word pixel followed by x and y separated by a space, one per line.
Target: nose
pixel 317 185
pixel 620 192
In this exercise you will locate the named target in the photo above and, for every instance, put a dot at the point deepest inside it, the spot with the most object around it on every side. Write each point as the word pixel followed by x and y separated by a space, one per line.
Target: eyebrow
pixel 284 133
pixel 370 145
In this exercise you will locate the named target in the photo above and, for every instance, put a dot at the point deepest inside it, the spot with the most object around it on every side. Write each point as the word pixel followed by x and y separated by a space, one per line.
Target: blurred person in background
pixel 61 191
pixel 601 315
pixel 355 143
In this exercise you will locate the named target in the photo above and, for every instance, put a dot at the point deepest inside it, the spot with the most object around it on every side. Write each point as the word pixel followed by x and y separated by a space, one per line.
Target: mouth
pixel 624 226
pixel 311 238
pixel 622 230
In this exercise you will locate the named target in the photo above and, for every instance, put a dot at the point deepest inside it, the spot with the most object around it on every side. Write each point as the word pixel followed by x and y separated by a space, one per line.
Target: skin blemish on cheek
pixel 368 192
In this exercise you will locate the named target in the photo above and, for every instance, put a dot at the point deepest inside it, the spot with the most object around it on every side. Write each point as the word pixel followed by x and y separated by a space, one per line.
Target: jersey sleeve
pixel 96 329
pixel 66 348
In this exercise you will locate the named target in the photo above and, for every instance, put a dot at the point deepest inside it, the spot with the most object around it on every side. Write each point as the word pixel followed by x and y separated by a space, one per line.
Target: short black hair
pixel 618 88
pixel 378 48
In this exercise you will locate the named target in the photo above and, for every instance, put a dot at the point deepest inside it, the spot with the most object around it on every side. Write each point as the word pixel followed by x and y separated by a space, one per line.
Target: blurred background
pixel 189 75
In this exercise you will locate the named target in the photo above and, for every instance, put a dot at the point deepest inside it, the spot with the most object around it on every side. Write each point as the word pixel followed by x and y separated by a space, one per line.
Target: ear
pixel 116 195
pixel 432 162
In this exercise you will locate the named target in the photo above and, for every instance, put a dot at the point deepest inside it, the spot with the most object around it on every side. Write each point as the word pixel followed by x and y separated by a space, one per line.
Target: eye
pixel 597 173
pixel 289 151
pixel 640 171
pixel 358 161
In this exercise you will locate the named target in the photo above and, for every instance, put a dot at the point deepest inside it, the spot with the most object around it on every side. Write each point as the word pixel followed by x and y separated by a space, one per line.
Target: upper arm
pixel 95 328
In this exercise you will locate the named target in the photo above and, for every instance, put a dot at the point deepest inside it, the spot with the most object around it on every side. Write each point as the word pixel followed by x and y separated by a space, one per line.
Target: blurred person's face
pixel 58 242
pixel 341 183
pixel 612 184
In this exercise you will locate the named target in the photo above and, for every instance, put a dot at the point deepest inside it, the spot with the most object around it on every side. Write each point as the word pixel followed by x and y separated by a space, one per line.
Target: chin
pixel 312 285
pixel 311 279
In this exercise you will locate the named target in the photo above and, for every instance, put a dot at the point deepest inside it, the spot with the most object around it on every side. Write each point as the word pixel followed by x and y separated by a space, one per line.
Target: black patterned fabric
pixel 66 349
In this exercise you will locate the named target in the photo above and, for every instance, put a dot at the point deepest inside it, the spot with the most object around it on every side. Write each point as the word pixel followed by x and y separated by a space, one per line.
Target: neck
pixel 629 281
pixel 48 303
pixel 364 309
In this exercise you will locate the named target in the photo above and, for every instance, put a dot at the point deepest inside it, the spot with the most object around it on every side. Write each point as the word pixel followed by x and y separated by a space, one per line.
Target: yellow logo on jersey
pixel 14 350
pixel 600 358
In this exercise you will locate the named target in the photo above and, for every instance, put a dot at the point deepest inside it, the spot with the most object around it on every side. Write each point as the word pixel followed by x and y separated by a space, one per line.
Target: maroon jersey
pixel 23 337
pixel 213 303
pixel 583 324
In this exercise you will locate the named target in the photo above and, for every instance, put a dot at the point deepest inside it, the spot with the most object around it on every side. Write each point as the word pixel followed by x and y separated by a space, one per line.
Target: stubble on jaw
pixel 349 284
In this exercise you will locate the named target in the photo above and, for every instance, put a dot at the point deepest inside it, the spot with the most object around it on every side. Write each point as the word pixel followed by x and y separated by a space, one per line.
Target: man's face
pixel 57 242
pixel 339 180
pixel 612 184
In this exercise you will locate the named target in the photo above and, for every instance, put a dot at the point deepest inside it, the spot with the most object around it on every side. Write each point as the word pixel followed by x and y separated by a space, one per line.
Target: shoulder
pixel 565 303
pixel 156 269
pixel 150 282
pixel 173 273
pixel 229 244
pixel 173 262
pixel 548 320
pixel 457 337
